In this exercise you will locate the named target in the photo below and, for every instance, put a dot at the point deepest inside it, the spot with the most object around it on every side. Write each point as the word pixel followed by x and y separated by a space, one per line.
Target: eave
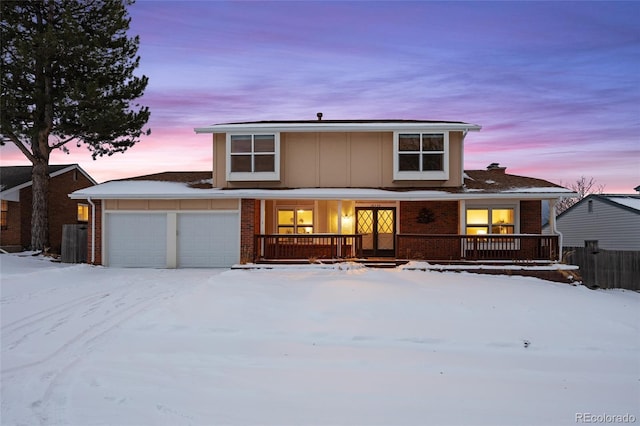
pixel 338 126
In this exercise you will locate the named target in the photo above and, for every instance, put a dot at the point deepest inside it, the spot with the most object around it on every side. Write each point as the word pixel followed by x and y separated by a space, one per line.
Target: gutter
pixel 552 213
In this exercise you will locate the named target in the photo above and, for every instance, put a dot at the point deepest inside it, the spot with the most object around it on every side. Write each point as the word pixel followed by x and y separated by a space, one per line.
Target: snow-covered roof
pixel 631 201
pixel 180 190
pixel 338 126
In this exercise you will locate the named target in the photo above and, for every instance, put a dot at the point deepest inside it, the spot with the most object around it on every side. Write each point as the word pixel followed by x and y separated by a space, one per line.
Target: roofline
pixel 298 194
pixel 54 174
pixel 604 199
pixel 337 126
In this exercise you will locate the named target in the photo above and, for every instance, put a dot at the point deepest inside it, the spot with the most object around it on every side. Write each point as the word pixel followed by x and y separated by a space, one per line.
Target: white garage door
pixel 208 239
pixel 136 240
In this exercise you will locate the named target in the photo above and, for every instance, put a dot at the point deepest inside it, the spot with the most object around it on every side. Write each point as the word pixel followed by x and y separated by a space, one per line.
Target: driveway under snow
pixel 342 345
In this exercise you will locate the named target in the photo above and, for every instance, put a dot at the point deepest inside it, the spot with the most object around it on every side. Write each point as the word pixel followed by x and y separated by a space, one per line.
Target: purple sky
pixel 555 85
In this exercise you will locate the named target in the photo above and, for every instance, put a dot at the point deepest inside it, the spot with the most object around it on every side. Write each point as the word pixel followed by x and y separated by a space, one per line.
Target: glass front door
pixel 378 228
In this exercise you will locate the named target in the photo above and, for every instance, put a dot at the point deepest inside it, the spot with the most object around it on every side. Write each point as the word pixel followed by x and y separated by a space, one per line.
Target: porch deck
pixel 441 248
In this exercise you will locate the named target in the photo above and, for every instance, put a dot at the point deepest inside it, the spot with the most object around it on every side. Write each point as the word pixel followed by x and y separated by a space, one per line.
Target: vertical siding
pixel 615 228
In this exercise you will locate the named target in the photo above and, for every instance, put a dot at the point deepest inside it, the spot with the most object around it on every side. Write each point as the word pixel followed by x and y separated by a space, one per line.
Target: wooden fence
pixel 606 268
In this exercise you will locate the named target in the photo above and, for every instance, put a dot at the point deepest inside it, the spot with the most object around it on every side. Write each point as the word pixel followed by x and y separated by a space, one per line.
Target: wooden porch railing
pixel 307 246
pixel 474 247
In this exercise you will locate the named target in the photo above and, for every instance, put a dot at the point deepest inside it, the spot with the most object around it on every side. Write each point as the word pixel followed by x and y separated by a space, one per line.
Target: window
pixel 253 157
pixel 292 221
pixel 482 221
pixel 419 156
pixel 3 214
pixel 83 212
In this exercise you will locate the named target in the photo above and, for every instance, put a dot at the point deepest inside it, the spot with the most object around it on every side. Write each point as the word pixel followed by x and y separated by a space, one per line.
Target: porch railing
pixel 308 246
pixel 473 247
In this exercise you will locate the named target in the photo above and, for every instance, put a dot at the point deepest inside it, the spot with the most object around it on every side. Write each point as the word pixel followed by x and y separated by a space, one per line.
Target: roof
pixel 13 178
pixel 626 202
pixel 338 125
pixel 185 177
pixel 479 184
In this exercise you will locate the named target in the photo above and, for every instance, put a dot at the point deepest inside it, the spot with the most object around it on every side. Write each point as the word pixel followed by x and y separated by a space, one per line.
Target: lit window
pixel 253 157
pixel 3 214
pixel 482 221
pixel 419 156
pixel 291 221
pixel 83 212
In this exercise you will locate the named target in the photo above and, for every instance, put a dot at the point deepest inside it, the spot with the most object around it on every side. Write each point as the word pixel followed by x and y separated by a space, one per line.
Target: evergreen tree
pixel 68 77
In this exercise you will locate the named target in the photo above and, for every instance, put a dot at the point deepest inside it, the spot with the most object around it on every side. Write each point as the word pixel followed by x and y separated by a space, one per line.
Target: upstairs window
pixel 253 157
pixel 421 156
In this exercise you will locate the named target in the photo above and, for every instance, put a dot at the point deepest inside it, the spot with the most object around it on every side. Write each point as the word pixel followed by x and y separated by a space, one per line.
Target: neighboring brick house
pixel 16 199
pixel 331 189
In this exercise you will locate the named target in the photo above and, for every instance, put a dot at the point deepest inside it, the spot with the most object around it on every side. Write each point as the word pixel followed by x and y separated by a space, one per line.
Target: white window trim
pixel 276 225
pixel 254 176
pixel 421 175
pixel 484 205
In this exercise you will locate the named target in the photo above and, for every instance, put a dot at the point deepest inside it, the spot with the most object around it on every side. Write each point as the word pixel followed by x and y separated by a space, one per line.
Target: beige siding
pixel 163 205
pixel 338 159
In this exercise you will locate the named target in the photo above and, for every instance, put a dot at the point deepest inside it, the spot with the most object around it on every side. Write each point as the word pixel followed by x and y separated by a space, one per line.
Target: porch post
pixel 339 248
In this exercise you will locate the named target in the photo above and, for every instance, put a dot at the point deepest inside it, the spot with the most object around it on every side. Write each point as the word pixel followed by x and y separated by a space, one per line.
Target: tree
pixel 583 188
pixel 68 77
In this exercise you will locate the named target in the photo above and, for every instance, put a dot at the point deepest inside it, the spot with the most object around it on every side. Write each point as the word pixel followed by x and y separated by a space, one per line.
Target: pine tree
pixel 68 77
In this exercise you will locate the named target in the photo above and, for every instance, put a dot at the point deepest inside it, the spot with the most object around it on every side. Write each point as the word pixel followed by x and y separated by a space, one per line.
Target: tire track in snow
pixel 106 311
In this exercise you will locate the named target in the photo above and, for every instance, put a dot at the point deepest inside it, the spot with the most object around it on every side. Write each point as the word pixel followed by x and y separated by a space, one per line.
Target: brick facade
pixel 530 217
pixel 249 210
pixel 98 232
pixel 442 217
pixel 62 211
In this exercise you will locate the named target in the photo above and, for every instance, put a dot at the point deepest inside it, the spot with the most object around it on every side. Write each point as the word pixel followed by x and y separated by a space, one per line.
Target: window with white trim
pixel 253 157
pixel 490 220
pixel 421 155
pixel 295 221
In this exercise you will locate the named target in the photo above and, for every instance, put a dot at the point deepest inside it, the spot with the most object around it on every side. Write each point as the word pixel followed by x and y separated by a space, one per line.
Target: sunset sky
pixel 555 85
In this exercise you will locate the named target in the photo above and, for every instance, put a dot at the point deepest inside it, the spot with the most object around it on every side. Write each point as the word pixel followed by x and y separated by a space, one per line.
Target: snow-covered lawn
pixel 339 345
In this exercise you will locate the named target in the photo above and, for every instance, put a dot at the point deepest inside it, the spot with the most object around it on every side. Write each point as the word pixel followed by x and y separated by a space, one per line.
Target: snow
pixel 310 345
pixel 629 201
pixel 171 190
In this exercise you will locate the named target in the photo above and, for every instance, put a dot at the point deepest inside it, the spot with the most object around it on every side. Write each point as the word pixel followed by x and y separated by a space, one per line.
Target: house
pixel 602 236
pixel 325 189
pixel 603 221
pixel 16 196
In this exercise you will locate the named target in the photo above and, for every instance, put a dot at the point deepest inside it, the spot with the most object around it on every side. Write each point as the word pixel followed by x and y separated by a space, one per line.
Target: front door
pixel 378 228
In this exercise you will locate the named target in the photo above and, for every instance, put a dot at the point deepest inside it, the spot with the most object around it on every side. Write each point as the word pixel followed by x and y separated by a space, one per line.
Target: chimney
pixel 496 167
pixel 319 116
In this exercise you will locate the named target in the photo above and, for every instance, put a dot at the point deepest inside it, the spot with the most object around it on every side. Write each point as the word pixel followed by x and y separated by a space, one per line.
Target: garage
pixel 172 239
pixel 137 240
pixel 208 240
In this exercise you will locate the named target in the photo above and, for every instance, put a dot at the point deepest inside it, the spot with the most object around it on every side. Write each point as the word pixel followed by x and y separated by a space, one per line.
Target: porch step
pixel 386 263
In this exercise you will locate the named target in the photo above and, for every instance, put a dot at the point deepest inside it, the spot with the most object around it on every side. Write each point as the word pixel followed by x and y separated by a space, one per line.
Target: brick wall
pixel 11 235
pixel 62 210
pixel 248 213
pixel 445 218
pixel 98 232
pixel 530 217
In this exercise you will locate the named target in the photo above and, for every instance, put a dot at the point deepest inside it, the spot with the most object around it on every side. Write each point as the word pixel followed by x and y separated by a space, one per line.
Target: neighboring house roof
pixel 338 125
pixel 14 178
pixel 185 177
pixel 479 184
pixel 623 201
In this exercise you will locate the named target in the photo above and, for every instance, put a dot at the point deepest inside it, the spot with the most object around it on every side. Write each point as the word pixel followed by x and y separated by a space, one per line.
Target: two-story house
pixel 325 189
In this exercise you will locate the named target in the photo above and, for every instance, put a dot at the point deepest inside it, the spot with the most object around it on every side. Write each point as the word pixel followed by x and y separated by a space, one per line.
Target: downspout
pixel 93 231
pixel 552 219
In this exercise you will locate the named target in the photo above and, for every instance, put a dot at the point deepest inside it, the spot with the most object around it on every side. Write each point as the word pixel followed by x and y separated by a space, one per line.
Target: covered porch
pixel 434 230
